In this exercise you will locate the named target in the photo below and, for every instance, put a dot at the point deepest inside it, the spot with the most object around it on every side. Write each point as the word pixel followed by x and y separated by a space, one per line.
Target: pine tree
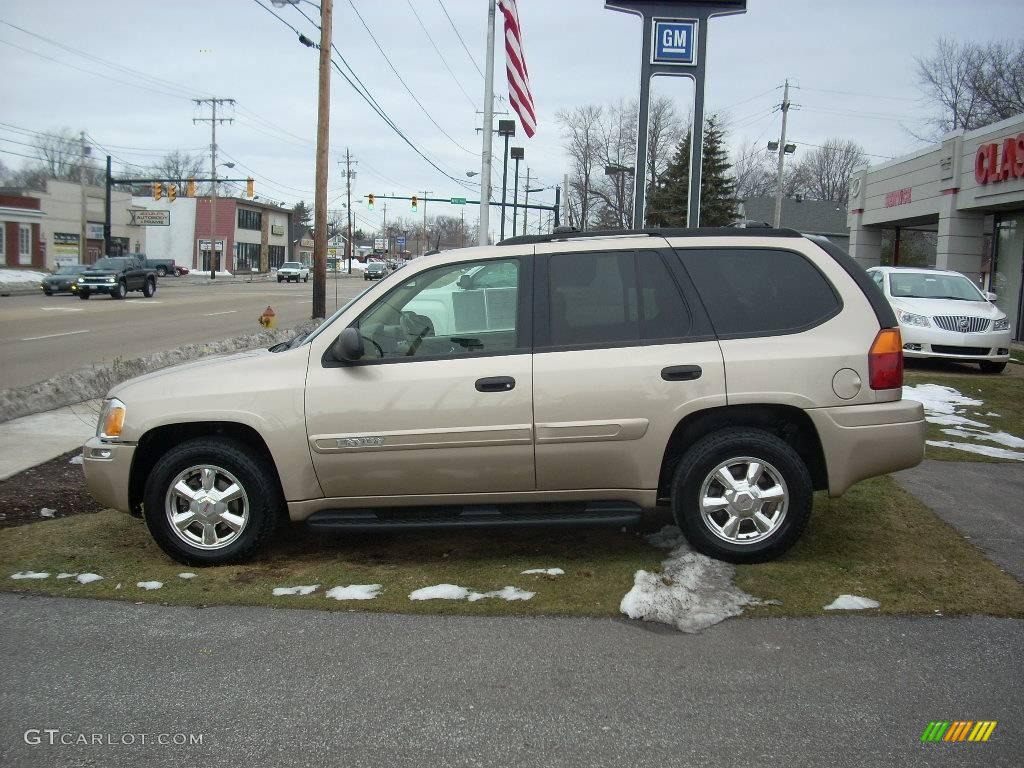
pixel 668 202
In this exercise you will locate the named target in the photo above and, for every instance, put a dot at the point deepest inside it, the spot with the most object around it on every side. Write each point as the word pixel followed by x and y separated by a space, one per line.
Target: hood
pixel 935 307
pixel 183 374
pixel 100 273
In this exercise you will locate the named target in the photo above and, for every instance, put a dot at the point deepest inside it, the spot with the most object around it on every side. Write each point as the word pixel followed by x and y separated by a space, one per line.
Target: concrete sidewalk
pixel 33 440
pixel 981 499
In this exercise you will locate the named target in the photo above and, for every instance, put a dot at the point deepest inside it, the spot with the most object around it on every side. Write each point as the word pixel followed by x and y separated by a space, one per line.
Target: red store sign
pixel 899 197
pixel 993 165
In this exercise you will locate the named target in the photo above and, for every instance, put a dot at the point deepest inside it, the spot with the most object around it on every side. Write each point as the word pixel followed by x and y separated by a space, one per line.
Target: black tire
pixel 254 474
pixel 83 295
pixel 149 288
pixel 47 292
pixel 120 291
pixel 305 279
pixel 711 451
pixel 161 271
pixel 280 279
pixel 987 366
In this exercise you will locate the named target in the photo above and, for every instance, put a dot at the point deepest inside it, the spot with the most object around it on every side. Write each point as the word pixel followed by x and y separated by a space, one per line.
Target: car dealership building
pixel 969 192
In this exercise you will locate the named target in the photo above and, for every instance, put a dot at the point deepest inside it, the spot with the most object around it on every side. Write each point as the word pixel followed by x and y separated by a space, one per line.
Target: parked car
pixel 62 279
pixel 163 267
pixel 943 314
pixel 574 378
pixel 115 276
pixel 181 271
pixel 293 270
pixel 375 270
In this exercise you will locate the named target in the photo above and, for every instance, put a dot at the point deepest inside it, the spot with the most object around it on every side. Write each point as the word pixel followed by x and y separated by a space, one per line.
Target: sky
pixel 126 72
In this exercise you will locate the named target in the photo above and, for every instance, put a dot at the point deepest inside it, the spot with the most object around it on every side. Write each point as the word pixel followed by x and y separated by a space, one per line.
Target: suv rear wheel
pixel 211 501
pixel 742 495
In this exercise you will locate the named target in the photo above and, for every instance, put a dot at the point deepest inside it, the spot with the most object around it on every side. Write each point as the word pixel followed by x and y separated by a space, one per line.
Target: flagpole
pixel 488 131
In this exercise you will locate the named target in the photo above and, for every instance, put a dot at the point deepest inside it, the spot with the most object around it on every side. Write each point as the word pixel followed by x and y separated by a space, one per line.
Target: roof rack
pixel 560 236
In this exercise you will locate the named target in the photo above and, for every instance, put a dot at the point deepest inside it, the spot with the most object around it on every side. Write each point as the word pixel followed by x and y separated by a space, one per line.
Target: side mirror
pixel 348 347
pixel 991 296
pixel 465 282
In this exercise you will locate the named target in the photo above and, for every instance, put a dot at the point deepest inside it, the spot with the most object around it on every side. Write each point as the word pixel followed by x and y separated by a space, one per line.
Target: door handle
pixel 681 373
pixel 495 384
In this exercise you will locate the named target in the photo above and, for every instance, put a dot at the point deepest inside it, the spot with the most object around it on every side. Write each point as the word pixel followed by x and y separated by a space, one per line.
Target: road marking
pixel 60 309
pixel 53 335
pixel 214 314
pixel 138 303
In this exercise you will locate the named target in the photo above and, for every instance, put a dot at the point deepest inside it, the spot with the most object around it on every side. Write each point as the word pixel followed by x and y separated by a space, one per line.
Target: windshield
pixel 107 263
pixel 926 285
pixel 73 269
pixel 291 265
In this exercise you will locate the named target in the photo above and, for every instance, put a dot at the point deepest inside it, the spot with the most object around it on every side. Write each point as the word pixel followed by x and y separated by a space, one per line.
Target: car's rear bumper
pixel 107 469
pixel 861 441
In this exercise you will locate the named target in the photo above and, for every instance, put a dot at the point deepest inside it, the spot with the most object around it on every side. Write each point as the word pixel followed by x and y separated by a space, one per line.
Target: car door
pixel 442 402
pixel 622 353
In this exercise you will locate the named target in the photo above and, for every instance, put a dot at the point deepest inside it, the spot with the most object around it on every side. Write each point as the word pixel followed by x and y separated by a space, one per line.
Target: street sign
pixel 674 41
pixel 400 242
pixel 458 201
pixel 144 218
pixel 380 244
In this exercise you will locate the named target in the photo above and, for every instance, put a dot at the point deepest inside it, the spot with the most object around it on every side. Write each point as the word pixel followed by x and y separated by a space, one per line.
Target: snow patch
pixel 355 592
pixel 545 571
pixel 944 406
pixel 20 276
pixel 997 415
pixel 187 575
pixel 30 575
pixel 87 578
pixel 150 584
pixel 505 593
pixel 669 537
pixel 983 450
pixel 691 593
pixel 66 575
pixel 1003 438
pixel 440 592
pixel 76 459
pixel 47 512
pixel 938 399
pixel 851 603
pixel 304 590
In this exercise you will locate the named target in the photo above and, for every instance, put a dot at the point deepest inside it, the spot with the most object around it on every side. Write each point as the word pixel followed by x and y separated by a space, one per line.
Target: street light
pixel 518 153
pixel 471 174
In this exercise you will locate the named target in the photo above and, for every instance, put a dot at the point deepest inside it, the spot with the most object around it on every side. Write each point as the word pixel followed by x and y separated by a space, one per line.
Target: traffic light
pixel 415 202
pixel 158 191
pixel 369 201
pixel 249 192
pixel 172 192
pixel 190 188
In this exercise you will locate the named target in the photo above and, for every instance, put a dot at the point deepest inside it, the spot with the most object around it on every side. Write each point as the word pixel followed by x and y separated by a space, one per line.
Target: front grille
pixel 962 323
pixel 943 349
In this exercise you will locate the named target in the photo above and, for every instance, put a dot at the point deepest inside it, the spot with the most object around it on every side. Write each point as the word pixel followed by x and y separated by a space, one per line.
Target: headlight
pixel 111 280
pixel 111 420
pixel 909 318
pixel 81 279
pixel 1001 324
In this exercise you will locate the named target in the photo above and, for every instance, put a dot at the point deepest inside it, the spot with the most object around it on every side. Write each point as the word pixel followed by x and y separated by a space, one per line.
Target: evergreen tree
pixel 301 214
pixel 668 202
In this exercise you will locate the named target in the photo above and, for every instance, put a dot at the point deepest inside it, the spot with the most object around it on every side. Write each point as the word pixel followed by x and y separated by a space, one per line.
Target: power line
pixel 745 101
pixel 459 35
pixel 439 54
pixel 851 93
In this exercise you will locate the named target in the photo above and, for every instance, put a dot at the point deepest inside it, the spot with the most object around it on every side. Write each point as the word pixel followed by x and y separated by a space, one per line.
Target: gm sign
pixel 675 42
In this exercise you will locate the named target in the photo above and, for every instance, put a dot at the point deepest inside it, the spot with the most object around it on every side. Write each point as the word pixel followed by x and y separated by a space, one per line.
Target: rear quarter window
pixel 760 291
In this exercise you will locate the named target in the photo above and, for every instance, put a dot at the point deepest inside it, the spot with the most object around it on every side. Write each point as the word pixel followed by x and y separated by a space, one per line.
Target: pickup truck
pixel 115 276
pixel 163 267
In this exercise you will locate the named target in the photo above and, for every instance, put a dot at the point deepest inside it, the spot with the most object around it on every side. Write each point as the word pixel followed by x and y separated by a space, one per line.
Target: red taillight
pixel 885 360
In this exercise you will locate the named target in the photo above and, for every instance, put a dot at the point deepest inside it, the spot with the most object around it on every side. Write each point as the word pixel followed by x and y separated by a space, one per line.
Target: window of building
pixel 275 256
pixel 249 219
pixel 247 257
pixel 760 291
pixel 25 244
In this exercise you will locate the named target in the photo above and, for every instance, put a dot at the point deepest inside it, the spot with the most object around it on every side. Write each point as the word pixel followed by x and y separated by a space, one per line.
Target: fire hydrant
pixel 269 318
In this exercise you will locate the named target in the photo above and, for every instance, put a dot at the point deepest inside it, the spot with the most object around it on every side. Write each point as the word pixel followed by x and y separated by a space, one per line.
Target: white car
pixel 293 270
pixel 944 315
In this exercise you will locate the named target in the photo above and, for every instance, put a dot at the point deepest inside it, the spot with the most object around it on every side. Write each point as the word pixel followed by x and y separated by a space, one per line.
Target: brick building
pixel 21 243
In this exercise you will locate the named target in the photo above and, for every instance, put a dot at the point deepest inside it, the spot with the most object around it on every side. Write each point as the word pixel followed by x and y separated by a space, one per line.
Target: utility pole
pixel 518 153
pixel 526 199
pixel 323 117
pixel 426 235
pixel 565 202
pixel 106 211
pixel 81 186
pixel 384 227
pixel 485 155
pixel 782 157
pixel 213 120
pixel 348 193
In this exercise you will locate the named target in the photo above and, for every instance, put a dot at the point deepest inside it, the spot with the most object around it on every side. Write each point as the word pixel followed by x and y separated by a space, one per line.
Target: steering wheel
pixel 380 349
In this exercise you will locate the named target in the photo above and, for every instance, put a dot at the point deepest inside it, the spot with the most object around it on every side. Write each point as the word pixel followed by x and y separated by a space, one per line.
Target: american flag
pixel 519 94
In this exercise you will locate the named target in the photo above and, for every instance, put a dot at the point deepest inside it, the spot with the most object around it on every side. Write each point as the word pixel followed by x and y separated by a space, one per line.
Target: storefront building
pixel 968 192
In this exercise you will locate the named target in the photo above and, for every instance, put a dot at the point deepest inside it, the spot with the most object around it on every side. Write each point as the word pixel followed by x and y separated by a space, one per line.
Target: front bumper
pixel 861 441
pixel 936 343
pixel 107 469
pixel 93 287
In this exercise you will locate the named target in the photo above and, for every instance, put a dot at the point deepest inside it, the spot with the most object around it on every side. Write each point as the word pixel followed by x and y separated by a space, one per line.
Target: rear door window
pixel 593 298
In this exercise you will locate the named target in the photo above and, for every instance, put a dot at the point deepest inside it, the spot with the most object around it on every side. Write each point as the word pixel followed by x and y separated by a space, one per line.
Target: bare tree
pixel 580 133
pixel 754 167
pixel 616 148
pixel 178 165
pixel 59 151
pixel 999 80
pixel 824 173
pixel 665 129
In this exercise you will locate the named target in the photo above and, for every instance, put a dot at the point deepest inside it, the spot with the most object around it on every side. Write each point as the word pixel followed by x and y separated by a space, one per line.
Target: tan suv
pixel 557 379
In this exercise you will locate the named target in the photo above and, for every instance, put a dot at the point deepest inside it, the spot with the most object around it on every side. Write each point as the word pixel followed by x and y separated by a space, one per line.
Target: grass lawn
pixel 877 541
pixel 1002 394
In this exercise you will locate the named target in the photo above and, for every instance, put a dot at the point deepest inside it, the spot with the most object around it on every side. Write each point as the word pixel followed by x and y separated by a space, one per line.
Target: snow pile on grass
pixel 545 571
pixel 304 590
pixel 944 406
pixel 79 459
pixel 691 593
pixel 455 592
pixel 186 575
pixel 505 593
pixel 66 575
pixel 851 603
pixel 354 592
pixel 47 512
pixel 150 584
pixel 20 277
pixel 87 578
pixel 30 575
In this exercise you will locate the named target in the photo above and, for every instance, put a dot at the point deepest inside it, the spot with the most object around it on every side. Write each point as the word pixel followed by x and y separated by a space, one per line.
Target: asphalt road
pixel 42 336
pixel 283 687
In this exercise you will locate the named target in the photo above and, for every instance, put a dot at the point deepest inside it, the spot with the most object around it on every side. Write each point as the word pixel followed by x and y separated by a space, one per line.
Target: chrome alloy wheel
pixel 743 500
pixel 207 507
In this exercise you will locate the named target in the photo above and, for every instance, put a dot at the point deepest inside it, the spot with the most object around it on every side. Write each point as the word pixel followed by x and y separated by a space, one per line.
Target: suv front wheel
pixel 211 501
pixel 742 495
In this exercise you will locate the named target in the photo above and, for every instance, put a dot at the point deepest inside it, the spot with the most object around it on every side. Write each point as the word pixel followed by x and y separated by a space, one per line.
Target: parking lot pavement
pixel 282 687
pixel 981 499
pixel 45 335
